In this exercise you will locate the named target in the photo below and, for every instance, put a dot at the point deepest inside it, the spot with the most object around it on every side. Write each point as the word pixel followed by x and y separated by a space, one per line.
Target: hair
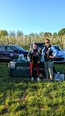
pixel 47 40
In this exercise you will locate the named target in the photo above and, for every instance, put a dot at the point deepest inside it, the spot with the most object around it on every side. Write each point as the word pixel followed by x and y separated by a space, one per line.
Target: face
pixel 47 43
pixel 34 46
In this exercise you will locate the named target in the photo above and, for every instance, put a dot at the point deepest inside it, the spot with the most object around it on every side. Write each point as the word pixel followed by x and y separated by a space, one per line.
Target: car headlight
pixel 11 64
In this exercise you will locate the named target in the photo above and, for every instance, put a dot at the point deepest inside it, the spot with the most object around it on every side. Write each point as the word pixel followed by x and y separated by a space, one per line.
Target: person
pixel 48 53
pixel 34 62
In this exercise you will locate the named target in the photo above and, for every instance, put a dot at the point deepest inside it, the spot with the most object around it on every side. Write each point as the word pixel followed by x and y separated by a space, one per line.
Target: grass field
pixel 21 97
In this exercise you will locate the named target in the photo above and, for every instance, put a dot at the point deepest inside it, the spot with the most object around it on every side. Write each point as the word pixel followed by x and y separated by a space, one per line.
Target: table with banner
pixel 22 69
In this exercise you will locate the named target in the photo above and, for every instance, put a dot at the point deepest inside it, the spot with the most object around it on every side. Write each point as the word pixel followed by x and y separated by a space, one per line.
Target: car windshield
pixel 20 48
pixel 40 45
pixel 57 48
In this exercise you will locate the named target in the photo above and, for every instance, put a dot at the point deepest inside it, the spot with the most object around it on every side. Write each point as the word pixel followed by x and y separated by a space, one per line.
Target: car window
pixel 40 45
pixel 2 48
pixel 20 48
pixel 9 48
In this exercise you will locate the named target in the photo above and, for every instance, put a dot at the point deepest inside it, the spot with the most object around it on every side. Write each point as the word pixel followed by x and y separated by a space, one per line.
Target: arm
pixel 42 54
pixel 43 51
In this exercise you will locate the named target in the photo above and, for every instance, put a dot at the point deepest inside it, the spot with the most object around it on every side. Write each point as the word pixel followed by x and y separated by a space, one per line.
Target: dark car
pixel 10 52
pixel 40 45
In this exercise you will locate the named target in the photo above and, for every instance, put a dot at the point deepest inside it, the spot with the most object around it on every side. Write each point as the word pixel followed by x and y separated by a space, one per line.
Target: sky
pixel 32 16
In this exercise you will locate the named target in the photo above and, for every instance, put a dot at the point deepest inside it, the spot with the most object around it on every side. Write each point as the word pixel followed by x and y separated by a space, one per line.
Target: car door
pixel 2 52
pixel 12 53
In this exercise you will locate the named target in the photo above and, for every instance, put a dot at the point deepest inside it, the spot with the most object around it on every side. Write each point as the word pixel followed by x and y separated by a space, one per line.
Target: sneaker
pixel 32 79
pixel 47 78
pixel 38 79
pixel 51 80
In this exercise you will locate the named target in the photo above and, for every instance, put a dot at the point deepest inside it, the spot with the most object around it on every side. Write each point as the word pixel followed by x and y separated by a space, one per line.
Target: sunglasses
pixel 47 42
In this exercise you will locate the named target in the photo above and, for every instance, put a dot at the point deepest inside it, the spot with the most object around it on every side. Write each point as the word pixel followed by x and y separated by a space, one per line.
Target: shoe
pixel 51 80
pixel 38 79
pixel 32 79
pixel 47 78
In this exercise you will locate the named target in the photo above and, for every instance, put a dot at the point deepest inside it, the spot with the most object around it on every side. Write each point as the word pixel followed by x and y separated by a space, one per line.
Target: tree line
pixel 19 38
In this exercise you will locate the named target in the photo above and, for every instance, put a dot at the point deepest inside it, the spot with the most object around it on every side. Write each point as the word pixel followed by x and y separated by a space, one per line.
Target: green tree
pixel 19 33
pixel 12 33
pixel 31 34
pixel 55 35
pixel 3 33
pixel 61 32
pixel 47 34
pixel 41 34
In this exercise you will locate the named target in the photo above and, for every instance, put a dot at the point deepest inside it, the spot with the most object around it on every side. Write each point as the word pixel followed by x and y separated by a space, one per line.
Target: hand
pixel 38 61
pixel 51 56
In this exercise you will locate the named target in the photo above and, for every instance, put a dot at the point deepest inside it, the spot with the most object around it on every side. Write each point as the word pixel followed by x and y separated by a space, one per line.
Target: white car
pixel 63 49
pixel 60 54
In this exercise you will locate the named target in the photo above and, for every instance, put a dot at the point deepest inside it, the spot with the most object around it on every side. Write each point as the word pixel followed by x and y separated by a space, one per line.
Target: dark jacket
pixel 34 56
pixel 49 52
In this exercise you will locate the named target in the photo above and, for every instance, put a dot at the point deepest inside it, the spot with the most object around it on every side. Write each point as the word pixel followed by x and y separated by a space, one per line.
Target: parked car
pixel 40 45
pixel 60 56
pixel 63 49
pixel 10 52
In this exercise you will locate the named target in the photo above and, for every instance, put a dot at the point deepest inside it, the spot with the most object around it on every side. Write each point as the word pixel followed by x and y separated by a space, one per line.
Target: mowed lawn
pixel 21 97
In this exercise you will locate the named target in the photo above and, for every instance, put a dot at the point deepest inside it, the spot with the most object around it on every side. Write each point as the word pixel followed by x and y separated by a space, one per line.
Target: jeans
pixel 49 69
pixel 32 66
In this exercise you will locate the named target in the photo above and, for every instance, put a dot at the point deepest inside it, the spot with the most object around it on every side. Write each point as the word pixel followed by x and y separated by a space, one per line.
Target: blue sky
pixel 32 15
